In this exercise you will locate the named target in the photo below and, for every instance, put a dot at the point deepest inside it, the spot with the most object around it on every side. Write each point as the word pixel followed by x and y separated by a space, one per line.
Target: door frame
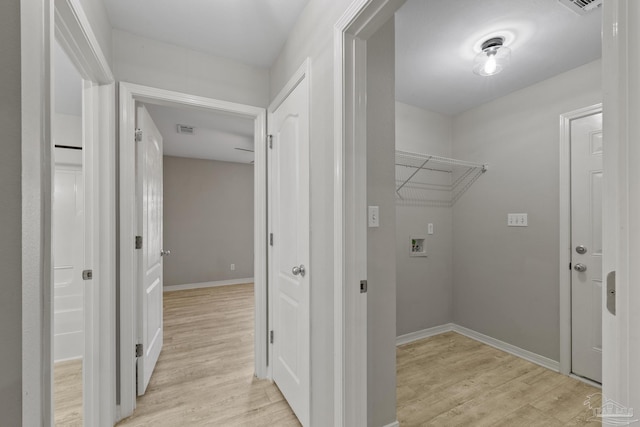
pixel 65 21
pixel 359 22
pixel 129 94
pixel 565 231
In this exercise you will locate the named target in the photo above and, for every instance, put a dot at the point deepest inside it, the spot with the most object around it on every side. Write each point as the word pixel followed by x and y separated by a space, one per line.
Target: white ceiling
pixel 216 135
pixel 67 84
pixel 435 42
pixel 249 31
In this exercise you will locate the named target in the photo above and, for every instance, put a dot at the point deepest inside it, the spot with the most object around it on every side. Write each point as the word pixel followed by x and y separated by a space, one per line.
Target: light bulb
pixel 491 65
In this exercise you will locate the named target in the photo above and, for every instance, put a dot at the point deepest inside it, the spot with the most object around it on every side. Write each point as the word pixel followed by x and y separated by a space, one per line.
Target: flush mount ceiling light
pixel 493 58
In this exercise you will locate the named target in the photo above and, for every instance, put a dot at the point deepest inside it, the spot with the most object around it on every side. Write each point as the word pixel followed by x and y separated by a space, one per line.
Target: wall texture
pixel 208 220
pixel 424 284
pixel 506 278
pixel 10 216
pixel 152 63
pixel 381 255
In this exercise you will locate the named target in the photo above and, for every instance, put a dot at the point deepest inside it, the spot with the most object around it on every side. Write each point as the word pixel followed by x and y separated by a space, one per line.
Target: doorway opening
pixel 68 229
pixel 187 263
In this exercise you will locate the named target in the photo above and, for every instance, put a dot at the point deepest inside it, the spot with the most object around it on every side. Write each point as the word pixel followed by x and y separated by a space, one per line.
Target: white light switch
pixel 517 220
pixel 374 216
pixel 430 228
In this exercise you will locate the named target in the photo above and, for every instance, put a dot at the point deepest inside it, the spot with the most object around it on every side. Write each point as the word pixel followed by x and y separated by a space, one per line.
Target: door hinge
pixel 138 242
pixel 270 138
pixel 363 286
pixel 87 275
pixel 138 135
pixel 271 239
pixel 139 350
pixel 271 337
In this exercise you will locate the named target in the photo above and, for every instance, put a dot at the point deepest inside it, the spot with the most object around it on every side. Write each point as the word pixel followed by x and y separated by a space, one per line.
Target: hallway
pixel 205 372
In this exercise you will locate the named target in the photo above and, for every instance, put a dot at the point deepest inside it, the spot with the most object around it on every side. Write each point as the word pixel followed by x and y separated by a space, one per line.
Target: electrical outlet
pixel 233 267
pixel 517 220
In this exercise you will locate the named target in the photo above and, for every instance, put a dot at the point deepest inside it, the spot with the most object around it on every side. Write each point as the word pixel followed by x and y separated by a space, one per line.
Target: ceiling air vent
pixel 582 7
pixel 184 129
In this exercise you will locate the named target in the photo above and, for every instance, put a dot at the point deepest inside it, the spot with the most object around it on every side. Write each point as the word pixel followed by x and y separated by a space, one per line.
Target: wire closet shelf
pixel 424 179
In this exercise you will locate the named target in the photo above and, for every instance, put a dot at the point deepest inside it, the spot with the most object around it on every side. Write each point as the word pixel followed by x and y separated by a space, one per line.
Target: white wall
pixel 208 220
pixel 99 21
pixel 312 37
pixel 505 279
pixel 152 63
pixel 10 216
pixel 424 284
pixel 67 130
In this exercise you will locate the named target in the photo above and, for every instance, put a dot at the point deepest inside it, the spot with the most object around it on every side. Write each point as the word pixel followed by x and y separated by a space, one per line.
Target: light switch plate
pixel 430 228
pixel 374 216
pixel 517 220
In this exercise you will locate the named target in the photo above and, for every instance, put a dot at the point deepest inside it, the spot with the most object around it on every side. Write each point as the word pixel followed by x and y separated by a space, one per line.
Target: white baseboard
pixel 509 348
pixel 425 333
pixel 393 424
pixel 207 284
pixel 500 345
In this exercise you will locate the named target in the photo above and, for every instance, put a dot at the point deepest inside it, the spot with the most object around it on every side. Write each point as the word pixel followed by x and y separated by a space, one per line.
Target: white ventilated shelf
pixel 425 179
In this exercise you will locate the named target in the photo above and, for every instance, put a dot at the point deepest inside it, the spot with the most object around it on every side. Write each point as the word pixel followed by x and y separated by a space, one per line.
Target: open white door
pixel 149 200
pixel 586 248
pixel 289 250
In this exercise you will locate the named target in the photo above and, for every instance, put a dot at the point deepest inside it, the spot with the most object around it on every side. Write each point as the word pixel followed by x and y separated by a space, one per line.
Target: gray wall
pixel 505 279
pixel 425 284
pixel 153 63
pixel 381 253
pixel 208 220
pixel 10 216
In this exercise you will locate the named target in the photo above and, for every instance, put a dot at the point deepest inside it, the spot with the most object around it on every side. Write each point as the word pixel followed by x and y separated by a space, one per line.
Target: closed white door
pixel 586 247
pixel 68 261
pixel 289 253
pixel 149 208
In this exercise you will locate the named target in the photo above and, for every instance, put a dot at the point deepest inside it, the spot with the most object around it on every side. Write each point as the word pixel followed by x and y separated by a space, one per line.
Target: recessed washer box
pixel 418 246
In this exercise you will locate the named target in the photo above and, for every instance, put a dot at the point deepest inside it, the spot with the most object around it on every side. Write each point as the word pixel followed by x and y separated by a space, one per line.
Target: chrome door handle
pixel 580 268
pixel 165 253
pixel 298 270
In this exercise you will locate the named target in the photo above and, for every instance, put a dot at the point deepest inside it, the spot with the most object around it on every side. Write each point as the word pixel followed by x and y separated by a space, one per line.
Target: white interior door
pixel 289 253
pixel 149 200
pixel 586 246
pixel 68 259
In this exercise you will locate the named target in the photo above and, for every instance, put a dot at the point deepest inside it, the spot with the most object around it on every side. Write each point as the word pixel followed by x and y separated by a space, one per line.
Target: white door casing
pixel 289 253
pixel 149 191
pixel 586 246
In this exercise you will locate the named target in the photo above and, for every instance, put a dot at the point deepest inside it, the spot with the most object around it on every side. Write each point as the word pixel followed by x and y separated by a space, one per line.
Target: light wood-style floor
pixel 67 393
pixel 451 380
pixel 204 376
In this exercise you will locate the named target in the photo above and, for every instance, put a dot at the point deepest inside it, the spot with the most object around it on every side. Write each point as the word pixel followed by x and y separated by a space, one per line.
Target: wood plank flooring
pixel 67 393
pixel 451 380
pixel 204 376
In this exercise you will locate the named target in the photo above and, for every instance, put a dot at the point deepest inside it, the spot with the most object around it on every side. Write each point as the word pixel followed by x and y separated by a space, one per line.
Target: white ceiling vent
pixel 582 7
pixel 187 130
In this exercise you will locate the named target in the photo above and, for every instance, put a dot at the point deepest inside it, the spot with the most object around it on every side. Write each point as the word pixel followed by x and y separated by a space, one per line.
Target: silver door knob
pixel 580 267
pixel 298 270
pixel 165 253
pixel 581 249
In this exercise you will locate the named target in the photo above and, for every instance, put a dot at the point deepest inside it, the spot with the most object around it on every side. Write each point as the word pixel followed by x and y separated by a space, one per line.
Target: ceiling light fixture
pixel 493 58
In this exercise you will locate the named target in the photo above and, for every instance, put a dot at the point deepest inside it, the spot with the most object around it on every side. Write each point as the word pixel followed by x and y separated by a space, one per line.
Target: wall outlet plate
pixel 517 220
